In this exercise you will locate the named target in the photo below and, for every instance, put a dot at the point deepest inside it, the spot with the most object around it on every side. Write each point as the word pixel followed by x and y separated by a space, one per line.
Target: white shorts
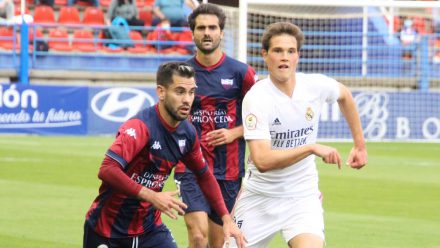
pixel 260 217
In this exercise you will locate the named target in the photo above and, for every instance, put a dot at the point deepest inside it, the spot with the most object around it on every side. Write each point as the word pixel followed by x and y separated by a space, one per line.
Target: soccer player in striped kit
pixel 281 120
pixel 127 211
pixel 222 83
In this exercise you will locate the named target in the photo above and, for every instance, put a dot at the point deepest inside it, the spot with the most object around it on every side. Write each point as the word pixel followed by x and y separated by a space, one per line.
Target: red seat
pixel 69 15
pixel 93 16
pixel 104 3
pixel 44 14
pixel 146 15
pixel 184 36
pixel 7 39
pixel 17 10
pixel 83 40
pixel 59 40
pixel 61 2
pixel 139 47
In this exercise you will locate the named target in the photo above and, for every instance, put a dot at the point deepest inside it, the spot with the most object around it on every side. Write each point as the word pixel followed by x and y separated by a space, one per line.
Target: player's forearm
pixel 111 174
pixel 237 132
pixel 267 160
pixel 347 105
pixel 211 190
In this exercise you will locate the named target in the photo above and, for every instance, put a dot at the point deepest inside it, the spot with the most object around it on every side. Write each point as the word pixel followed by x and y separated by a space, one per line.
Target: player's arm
pixel 358 155
pixel 267 159
pixel 224 136
pixel 210 188
pixel 112 171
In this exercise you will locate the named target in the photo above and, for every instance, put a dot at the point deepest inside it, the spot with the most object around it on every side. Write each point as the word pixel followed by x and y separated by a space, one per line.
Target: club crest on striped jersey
pixel 309 114
pixel 227 83
pixel 182 144
pixel 251 122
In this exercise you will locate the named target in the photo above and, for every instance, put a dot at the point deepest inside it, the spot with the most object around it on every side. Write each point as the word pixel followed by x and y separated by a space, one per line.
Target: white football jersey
pixel 288 122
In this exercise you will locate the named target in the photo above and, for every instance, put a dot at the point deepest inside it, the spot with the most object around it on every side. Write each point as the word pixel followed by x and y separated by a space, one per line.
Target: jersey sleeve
pixel 131 139
pixel 206 180
pixel 255 117
pixel 330 89
pixel 249 80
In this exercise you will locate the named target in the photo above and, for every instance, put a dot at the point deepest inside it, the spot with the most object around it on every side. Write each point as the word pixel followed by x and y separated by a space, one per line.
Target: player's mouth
pixel 283 67
pixel 185 110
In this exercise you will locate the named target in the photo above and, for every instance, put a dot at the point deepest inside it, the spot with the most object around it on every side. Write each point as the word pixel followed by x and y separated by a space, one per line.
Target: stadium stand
pixel 69 15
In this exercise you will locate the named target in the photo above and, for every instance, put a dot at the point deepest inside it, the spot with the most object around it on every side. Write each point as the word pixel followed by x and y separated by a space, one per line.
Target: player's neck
pixel 166 117
pixel 287 86
pixel 211 59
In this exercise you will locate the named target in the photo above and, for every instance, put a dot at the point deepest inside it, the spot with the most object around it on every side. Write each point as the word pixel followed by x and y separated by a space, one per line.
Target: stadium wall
pixel 98 110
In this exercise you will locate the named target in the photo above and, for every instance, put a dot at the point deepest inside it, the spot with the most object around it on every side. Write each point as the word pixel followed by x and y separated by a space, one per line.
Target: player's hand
pixel 231 229
pixel 167 203
pixel 219 137
pixel 357 158
pixel 328 154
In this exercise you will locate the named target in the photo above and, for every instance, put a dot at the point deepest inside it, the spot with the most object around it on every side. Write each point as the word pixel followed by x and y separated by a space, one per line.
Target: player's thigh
pixel 306 240
pixel 191 193
pixel 197 223
pixel 230 190
pixel 92 239
pixel 257 218
pixel 216 236
pixel 159 237
pixel 304 222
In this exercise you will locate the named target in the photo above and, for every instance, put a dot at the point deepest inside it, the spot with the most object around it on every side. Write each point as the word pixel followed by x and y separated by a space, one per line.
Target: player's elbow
pixel 262 163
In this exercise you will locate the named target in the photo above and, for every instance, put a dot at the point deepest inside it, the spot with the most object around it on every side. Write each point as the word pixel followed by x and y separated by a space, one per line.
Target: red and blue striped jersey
pixel 219 94
pixel 143 154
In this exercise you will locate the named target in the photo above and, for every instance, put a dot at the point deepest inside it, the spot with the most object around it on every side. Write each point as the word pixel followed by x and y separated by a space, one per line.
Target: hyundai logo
pixel 119 104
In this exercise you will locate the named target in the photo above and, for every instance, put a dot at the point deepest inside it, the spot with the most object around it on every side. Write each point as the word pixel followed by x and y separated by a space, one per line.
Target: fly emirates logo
pixel 290 138
pixel 149 180
pixel 212 116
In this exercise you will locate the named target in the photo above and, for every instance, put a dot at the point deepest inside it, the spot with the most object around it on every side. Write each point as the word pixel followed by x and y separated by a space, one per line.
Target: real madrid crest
pixel 309 114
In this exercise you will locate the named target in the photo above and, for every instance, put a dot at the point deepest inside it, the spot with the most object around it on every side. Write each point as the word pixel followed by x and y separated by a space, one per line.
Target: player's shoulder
pixel 235 64
pixel 312 77
pixel 260 89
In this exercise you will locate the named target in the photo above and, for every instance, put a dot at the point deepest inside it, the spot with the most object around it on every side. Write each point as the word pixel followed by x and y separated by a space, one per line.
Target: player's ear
pixel 160 91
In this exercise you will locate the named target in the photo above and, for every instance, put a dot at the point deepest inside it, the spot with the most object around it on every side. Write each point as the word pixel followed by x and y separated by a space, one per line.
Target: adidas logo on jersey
pixel 156 145
pixel 276 122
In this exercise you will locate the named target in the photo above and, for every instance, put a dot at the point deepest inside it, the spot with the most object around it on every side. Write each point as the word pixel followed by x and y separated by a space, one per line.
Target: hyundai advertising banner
pixel 109 107
pixel 101 110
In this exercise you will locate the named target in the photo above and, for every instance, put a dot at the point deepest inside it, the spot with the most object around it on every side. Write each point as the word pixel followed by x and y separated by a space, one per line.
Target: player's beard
pixel 174 112
pixel 215 45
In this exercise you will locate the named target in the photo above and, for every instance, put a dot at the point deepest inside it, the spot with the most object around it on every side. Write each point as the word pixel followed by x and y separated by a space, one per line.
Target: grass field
pixel 48 183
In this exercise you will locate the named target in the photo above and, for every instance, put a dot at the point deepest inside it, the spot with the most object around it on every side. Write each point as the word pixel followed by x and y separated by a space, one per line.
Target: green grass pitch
pixel 48 183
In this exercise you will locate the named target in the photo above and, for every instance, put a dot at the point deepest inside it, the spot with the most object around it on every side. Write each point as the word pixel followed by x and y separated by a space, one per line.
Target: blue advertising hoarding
pixel 66 110
pixel 43 109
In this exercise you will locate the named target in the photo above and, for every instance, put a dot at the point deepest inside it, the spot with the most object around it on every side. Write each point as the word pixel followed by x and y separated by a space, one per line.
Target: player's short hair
pixel 166 71
pixel 279 28
pixel 207 9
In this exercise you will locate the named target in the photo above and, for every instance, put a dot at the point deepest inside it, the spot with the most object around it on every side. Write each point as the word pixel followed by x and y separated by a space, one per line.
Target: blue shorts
pixel 160 236
pixel 194 198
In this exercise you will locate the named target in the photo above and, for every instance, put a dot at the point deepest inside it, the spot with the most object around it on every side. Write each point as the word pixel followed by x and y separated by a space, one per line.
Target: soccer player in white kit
pixel 281 116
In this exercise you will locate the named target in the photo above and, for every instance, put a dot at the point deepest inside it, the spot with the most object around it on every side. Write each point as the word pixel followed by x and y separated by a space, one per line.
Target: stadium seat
pixel 59 40
pixel 83 40
pixel 69 15
pixel 93 16
pixel 34 32
pixel 61 2
pixel 7 39
pixel 146 15
pixel 139 47
pixel 17 10
pixel 104 3
pixel 184 36
pixel 44 14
